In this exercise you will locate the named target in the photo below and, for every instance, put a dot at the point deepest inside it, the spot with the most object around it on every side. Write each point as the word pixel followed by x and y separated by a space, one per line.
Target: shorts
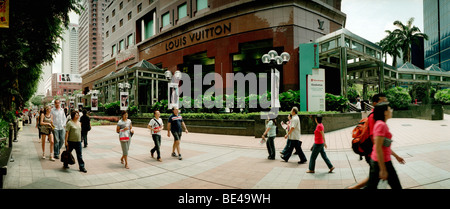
pixel 176 135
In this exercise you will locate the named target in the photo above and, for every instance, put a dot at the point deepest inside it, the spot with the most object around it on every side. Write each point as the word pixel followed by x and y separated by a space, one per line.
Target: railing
pixel 368 107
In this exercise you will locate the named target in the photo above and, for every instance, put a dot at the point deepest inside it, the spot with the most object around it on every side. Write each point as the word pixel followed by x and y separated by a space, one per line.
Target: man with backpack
pixel 367 150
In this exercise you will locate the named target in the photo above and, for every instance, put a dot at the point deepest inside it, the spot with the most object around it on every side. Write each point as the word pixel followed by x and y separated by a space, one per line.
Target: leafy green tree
pixel 29 42
pixel 443 96
pixel 398 98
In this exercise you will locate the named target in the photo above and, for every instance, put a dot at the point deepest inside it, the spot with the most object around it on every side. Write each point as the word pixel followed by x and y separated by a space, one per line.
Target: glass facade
pixel 436 15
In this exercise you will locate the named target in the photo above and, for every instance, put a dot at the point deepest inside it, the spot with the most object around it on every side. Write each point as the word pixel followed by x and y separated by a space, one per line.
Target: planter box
pixel 210 126
pixel 5 156
pixel 256 127
pixel 331 122
pixel 425 112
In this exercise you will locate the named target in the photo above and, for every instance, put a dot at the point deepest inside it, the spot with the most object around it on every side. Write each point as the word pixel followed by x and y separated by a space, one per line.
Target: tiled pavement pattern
pixel 228 162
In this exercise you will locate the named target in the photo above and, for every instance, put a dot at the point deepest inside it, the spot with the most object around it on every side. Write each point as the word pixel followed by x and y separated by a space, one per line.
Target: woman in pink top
pixel 319 147
pixel 381 166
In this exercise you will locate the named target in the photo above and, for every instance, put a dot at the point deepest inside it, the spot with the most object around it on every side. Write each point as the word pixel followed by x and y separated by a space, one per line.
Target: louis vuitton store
pixel 223 36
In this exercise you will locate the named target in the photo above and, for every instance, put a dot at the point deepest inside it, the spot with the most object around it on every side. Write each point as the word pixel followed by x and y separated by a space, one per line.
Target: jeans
pixel 318 148
pixel 84 138
pixel 157 140
pixel 374 178
pixel 77 147
pixel 286 147
pixel 297 145
pixel 271 147
pixel 59 139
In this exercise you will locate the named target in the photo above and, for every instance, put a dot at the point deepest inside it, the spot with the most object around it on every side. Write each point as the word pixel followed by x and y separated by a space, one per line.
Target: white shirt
pixel 295 123
pixel 59 118
pixel 155 125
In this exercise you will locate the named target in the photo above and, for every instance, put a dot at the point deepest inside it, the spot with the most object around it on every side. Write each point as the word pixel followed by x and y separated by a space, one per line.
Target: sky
pixel 366 18
pixel 370 18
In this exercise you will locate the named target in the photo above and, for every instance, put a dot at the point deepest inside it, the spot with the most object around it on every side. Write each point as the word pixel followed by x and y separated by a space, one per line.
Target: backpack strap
pixel 157 121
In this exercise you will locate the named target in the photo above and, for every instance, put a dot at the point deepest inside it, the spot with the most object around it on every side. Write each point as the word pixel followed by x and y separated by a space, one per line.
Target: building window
pixel 113 28
pixel 129 16
pixel 121 5
pixel 202 4
pixel 113 13
pixel 130 40
pixel 121 45
pixel 107 19
pixel 107 34
pixel 113 50
pixel 165 19
pixel 182 11
pixel 121 22
pixel 139 8
pixel 148 29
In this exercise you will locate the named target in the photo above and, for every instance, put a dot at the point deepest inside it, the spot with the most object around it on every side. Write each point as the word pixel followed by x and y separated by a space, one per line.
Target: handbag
pixel 67 158
pixel 124 135
pixel 44 129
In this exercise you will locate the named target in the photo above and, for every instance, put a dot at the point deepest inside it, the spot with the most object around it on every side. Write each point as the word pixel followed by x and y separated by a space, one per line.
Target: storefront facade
pixel 224 36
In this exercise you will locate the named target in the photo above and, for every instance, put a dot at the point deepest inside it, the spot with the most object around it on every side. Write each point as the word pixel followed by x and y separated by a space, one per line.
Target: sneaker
pixel 179 157
pixel 83 170
pixel 174 155
pixel 52 159
pixel 43 155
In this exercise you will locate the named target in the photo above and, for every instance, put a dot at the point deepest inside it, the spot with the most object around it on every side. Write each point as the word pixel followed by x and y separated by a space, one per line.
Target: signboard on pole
pixel 316 90
pixel 4 13
pixel 123 100
pixel 275 88
pixel 94 103
pixel 173 96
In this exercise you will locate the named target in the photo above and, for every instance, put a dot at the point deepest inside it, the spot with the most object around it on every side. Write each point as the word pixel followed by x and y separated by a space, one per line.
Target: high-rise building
pixel 90 39
pixel 70 50
pixel 436 16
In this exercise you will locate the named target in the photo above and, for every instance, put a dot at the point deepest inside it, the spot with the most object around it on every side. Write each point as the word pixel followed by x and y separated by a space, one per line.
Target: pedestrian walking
pixel 381 165
pixel 319 147
pixel 59 120
pixel 73 140
pixel 85 127
pixel 271 132
pixel 156 125
pixel 124 129
pixel 38 123
pixel 174 126
pixel 294 137
pixel 377 98
pixel 286 127
pixel 46 121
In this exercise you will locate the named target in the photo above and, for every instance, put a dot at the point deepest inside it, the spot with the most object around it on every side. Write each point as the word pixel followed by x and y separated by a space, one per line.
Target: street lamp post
pixel 274 60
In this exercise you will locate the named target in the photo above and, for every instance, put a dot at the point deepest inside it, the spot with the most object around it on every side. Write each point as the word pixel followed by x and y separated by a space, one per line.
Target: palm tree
pixel 406 35
pixel 390 45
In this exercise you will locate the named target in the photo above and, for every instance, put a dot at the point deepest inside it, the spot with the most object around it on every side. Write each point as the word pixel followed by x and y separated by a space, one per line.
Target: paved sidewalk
pixel 229 162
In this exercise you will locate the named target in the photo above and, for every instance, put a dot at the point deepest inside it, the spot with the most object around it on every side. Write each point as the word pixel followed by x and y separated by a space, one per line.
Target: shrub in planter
pixel 442 96
pixel 112 108
pixel 398 98
pixel 335 103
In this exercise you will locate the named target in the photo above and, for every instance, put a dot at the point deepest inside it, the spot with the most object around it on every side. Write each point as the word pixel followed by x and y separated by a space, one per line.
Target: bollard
pixel 16 127
pixel 11 132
